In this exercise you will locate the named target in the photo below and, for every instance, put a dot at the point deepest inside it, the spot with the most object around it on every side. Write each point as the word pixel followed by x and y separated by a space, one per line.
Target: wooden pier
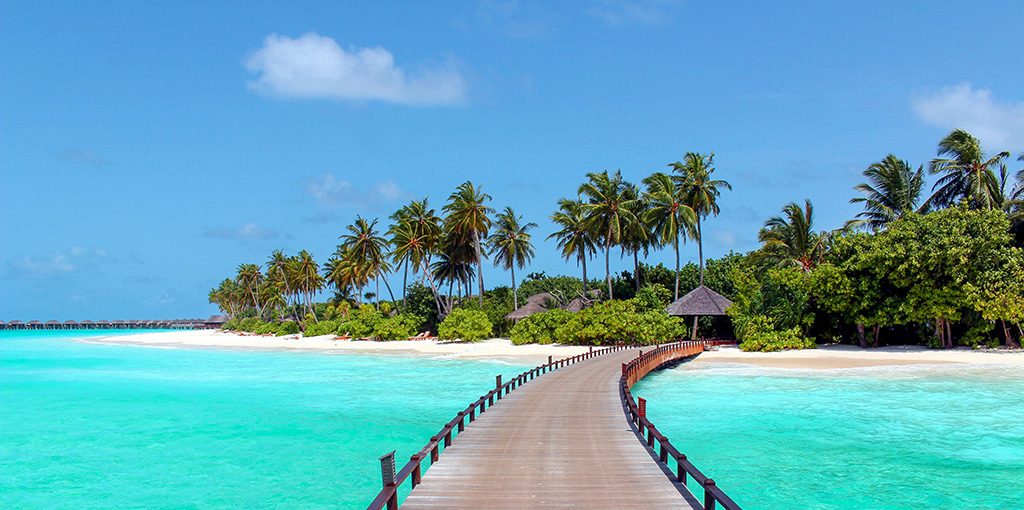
pixel 214 322
pixel 569 436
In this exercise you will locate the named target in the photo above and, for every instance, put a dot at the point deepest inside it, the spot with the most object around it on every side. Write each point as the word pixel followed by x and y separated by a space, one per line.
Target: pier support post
pixel 709 499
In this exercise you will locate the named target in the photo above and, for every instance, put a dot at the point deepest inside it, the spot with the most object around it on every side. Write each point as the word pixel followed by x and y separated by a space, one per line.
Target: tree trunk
pixel 878 330
pixel 700 249
pixel 860 335
pixel 607 261
pixel 1010 343
pixel 636 269
pixel 377 292
pixel 515 296
pixel 583 260
pixel 405 281
pixel 949 334
pixel 693 334
pixel 392 294
pixel 479 266
pixel 675 244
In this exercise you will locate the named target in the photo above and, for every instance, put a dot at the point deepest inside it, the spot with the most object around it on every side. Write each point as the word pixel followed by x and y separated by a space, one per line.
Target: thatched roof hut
pixel 525 311
pixel 700 301
pixel 540 298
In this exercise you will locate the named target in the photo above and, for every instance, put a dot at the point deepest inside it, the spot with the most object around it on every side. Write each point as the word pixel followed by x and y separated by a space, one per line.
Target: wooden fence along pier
pixel 573 437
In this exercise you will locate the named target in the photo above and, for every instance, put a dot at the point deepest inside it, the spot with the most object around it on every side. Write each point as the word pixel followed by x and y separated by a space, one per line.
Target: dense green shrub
pixel 398 327
pixel 652 297
pixel 288 328
pixel 463 324
pixel 324 327
pixel 759 334
pixel 619 321
pixel 361 322
pixel 231 325
pixel 266 328
pixel 539 327
pixel 249 324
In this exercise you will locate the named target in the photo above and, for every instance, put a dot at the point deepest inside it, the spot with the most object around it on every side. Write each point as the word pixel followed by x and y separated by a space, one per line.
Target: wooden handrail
pixel 388 495
pixel 635 370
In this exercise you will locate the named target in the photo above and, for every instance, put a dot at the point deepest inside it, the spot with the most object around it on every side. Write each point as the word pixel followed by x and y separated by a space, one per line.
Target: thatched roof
pixel 525 311
pixel 540 299
pixel 699 301
pixel 217 319
pixel 576 305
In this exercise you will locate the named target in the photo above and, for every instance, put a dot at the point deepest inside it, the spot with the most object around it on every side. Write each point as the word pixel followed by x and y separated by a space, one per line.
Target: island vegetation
pixel 941 270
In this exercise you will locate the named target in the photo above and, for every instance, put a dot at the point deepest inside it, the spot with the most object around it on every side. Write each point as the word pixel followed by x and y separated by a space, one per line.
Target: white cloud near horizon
pixel 317 67
pixel 998 124
pixel 248 232
pixel 60 262
pixel 332 192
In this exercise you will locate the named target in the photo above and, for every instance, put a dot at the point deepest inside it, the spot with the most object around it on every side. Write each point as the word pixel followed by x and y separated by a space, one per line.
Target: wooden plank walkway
pixel 560 441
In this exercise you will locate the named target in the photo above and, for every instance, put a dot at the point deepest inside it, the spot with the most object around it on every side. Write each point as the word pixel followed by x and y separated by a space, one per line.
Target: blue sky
pixel 146 150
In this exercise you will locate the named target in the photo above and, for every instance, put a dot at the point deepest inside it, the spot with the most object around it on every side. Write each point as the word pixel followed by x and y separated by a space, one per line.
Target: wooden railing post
pixel 680 470
pixel 462 419
pixel 387 473
pixel 416 472
pixel 709 498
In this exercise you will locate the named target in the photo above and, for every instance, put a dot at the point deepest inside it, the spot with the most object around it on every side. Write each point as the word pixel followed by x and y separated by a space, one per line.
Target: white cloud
pixel 333 192
pixel 999 124
pixel 316 67
pixel 59 262
pixel 248 232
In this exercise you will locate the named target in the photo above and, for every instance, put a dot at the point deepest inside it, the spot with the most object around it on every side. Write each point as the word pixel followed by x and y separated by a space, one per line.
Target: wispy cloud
pixel 329 191
pixel 999 124
pixel 248 232
pixel 631 12
pixel 84 156
pixel 317 67
pixel 61 262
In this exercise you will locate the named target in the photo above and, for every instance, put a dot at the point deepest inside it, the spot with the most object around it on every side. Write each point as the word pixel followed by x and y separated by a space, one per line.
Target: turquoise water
pixel 101 426
pixel 895 437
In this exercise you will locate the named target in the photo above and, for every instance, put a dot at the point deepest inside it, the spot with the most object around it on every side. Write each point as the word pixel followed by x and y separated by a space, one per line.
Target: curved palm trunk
pixel 700 250
pixel 479 266
pixel 376 297
pixel 391 294
pixel 636 269
pixel 1010 344
pixel 405 282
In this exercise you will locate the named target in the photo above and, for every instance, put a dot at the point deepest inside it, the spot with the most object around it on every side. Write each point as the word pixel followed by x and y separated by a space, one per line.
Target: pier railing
pixel 413 470
pixel 635 370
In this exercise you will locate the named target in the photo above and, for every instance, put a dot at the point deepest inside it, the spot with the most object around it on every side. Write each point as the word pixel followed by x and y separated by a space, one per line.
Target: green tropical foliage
pixel 466 325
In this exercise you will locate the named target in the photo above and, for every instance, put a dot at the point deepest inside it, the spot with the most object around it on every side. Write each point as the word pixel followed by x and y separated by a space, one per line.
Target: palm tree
pixel 367 247
pixel 636 236
pixel 307 279
pixel 893 190
pixel 700 190
pixel 967 173
pixel 511 245
pixel 468 214
pixel 574 239
pixel 668 216
pixel 228 296
pixel 277 272
pixel 791 240
pixel 250 277
pixel 415 239
pixel 608 212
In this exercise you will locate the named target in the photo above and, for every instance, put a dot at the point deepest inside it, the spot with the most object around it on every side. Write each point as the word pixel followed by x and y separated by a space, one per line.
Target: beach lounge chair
pixel 420 336
pixel 346 336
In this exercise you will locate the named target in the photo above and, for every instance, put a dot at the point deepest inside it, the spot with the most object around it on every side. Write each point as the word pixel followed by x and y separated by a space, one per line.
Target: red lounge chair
pixel 346 336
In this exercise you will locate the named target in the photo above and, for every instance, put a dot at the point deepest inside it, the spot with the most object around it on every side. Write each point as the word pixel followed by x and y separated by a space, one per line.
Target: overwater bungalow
pixel 15 325
pixel 87 324
pixel 103 324
pixel 51 325
pixel 34 325
pixel 70 325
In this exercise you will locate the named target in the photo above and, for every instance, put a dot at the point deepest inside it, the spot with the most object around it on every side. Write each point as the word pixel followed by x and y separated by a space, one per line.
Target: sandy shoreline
pixel 827 357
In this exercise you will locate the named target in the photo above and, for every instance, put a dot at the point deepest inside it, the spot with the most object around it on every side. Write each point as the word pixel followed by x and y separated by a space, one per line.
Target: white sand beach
pixel 846 356
pixel 495 348
pixel 826 357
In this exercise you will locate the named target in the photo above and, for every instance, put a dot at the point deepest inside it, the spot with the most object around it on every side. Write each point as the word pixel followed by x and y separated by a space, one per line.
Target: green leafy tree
pixel 790 239
pixel 466 325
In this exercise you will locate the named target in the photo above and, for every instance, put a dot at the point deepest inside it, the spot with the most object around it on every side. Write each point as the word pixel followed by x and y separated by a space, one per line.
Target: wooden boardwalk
pixel 561 441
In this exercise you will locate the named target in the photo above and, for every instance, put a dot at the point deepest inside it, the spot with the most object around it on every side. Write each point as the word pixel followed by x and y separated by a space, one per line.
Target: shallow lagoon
pixel 947 436
pixel 102 426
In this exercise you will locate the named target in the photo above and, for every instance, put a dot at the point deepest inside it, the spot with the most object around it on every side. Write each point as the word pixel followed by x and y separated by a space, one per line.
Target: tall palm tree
pixel 636 237
pixel 790 239
pixel 277 272
pixel 573 236
pixel 468 214
pixel 511 245
pixel 308 280
pixel 893 189
pixel 415 239
pixel 608 211
pixel 701 191
pixel 967 173
pixel 228 296
pixel 668 215
pixel 250 277
pixel 365 245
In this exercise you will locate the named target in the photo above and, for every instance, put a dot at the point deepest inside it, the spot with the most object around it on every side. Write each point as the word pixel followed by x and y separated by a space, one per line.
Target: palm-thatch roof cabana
pixel 526 310
pixel 700 301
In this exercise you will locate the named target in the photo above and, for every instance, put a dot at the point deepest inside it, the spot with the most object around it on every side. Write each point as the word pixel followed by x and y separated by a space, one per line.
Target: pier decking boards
pixel 561 441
